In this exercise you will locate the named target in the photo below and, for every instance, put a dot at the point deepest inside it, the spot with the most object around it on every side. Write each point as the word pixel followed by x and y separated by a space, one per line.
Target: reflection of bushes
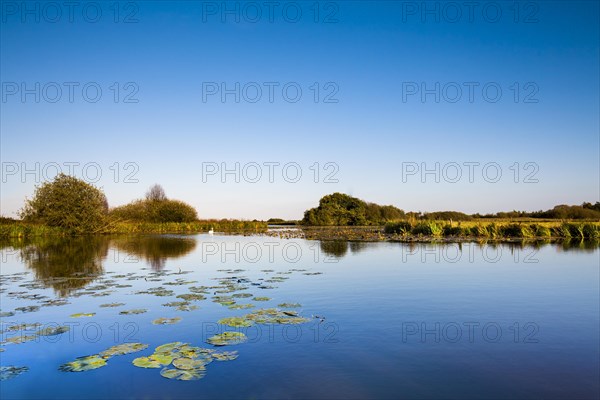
pixel 155 249
pixel 63 263
pixel 336 248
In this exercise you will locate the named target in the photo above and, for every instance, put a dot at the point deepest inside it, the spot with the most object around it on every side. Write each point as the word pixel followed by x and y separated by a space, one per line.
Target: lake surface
pixel 383 320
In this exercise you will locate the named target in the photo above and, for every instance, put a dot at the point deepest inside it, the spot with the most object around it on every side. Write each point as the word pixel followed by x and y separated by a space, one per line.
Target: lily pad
pixel 52 331
pixel 82 315
pixel 11 371
pixel 28 309
pixel 20 339
pixel 166 321
pixel 289 305
pixel 82 364
pixel 121 349
pixel 261 299
pixel 242 295
pixel 112 305
pixel 191 297
pixel 187 363
pixel 183 375
pixel 134 311
pixel 227 338
pixel 147 362
pixel 236 322
pixel 241 306
pixel 225 355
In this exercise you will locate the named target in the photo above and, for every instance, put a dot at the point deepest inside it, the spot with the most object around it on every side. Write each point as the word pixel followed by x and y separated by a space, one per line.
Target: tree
pixel 69 203
pixel 156 193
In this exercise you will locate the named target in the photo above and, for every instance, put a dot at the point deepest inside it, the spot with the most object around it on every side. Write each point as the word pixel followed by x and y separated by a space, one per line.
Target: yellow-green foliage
pixel 497 229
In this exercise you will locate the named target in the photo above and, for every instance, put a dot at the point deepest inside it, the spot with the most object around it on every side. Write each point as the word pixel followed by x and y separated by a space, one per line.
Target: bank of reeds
pixel 496 229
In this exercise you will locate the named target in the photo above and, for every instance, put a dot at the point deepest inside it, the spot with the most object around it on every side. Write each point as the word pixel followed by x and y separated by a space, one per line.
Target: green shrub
pixel 68 203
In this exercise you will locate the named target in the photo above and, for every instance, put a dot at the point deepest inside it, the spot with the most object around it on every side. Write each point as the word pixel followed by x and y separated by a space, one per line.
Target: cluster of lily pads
pixel 181 361
pixel 178 360
pixel 23 338
pixel 99 360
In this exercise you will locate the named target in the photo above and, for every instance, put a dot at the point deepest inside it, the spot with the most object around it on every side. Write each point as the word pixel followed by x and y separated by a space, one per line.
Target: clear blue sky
pixel 372 53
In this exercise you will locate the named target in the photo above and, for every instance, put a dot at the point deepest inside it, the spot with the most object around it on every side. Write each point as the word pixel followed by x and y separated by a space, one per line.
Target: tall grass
pixel 496 230
pixel 22 230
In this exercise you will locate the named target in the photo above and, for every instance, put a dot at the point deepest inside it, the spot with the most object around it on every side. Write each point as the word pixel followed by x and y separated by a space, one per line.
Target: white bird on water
pixel 211 232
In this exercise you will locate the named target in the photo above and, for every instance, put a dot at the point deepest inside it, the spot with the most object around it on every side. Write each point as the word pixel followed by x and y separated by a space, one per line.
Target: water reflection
pixel 67 264
pixel 155 249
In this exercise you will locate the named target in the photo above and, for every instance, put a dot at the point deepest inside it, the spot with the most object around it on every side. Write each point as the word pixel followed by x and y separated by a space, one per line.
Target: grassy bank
pixel 20 229
pixel 496 230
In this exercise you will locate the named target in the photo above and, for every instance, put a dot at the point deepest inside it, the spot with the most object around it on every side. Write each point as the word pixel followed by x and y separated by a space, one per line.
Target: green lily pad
pixel 183 375
pixel 166 321
pixel 27 309
pixel 227 338
pixel 241 306
pixel 186 363
pixel 261 299
pixel 6 314
pixel 147 362
pixel 11 371
pixel 169 347
pixel 236 322
pixel 52 331
pixel 191 297
pixel 225 355
pixel 134 311
pixel 289 305
pixel 112 305
pixel 20 339
pixel 121 349
pixel 82 315
pixel 22 327
pixel 242 295
pixel 82 364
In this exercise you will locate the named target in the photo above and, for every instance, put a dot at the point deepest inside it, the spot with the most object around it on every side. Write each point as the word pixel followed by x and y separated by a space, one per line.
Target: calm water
pixel 386 320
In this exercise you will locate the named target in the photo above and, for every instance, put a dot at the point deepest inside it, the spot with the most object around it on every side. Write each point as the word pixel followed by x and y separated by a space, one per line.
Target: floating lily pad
pixel 166 321
pixel 168 347
pixel 82 364
pixel 261 299
pixel 28 309
pixel 20 339
pixel 22 327
pixel 241 306
pixel 187 363
pixel 11 371
pixel 112 305
pixel 227 338
pixel 236 322
pixel 289 305
pixel 6 314
pixel 147 362
pixel 182 375
pixel 191 297
pixel 121 349
pixel 134 311
pixel 52 331
pixel 242 295
pixel 225 355
pixel 82 315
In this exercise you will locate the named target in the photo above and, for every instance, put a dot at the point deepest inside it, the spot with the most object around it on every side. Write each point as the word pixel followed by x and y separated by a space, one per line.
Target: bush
pixel 156 211
pixel 68 203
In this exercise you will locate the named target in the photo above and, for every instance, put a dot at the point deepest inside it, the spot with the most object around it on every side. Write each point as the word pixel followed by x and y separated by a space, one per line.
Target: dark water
pixel 394 321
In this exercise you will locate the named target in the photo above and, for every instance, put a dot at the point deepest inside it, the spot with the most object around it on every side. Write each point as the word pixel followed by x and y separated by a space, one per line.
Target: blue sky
pixel 370 54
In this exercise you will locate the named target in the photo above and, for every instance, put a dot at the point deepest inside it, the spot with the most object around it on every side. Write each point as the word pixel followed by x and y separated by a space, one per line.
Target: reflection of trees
pixel 357 247
pixel 64 264
pixel 155 249
pixel 336 248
